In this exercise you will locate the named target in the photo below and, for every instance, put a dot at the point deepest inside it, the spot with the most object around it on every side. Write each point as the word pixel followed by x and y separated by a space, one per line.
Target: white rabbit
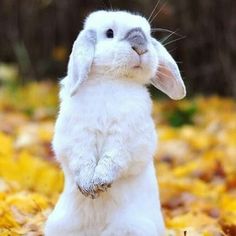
pixel 105 137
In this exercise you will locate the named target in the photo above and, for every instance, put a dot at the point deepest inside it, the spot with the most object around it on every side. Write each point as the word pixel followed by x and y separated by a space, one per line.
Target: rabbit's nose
pixel 139 50
pixel 137 40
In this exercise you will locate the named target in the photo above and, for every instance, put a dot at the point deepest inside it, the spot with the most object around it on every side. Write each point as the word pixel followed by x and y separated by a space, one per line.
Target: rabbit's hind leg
pixel 64 220
pixel 132 226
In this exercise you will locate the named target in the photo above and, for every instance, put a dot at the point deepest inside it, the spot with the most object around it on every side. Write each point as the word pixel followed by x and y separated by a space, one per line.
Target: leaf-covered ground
pixel 195 162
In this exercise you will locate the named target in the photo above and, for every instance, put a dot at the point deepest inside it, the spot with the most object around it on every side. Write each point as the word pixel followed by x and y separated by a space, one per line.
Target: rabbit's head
pixel 119 45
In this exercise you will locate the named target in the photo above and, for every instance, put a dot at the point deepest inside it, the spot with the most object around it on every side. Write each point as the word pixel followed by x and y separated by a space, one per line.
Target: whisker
pixel 166 38
pixel 157 3
pixel 165 30
pixel 164 67
pixel 153 18
pixel 174 40
pixel 108 4
pixel 172 50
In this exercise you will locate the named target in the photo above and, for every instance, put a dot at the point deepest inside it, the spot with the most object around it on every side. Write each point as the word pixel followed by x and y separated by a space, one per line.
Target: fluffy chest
pixel 102 104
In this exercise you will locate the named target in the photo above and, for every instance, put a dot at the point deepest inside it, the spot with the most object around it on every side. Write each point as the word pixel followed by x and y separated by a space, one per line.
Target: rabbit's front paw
pixel 85 186
pixel 86 189
pixel 101 186
pixel 101 183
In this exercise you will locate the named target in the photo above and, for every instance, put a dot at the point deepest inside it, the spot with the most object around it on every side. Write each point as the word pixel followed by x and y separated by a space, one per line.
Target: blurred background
pixel 37 36
pixel 196 155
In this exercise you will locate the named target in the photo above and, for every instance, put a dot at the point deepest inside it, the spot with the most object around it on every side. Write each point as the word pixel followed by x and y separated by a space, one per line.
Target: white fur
pixel 105 135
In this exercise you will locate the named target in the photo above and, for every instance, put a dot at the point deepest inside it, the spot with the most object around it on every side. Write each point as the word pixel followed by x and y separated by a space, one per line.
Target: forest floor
pixel 195 162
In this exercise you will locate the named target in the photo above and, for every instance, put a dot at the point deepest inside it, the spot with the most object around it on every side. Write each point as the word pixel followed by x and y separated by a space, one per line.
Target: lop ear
pixel 167 78
pixel 81 59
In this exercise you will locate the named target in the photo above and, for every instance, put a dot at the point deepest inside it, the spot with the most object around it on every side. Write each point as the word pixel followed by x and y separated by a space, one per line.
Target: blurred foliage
pixel 196 166
pixel 182 116
pixel 195 162
pixel 8 73
pixel 30 181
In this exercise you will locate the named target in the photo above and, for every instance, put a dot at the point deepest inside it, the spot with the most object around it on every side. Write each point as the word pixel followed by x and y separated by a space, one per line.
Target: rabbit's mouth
pixel 138 63
pixel 137 67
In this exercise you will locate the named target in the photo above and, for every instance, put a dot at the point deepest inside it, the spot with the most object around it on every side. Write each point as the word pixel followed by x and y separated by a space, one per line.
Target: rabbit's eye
pixel 109 33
